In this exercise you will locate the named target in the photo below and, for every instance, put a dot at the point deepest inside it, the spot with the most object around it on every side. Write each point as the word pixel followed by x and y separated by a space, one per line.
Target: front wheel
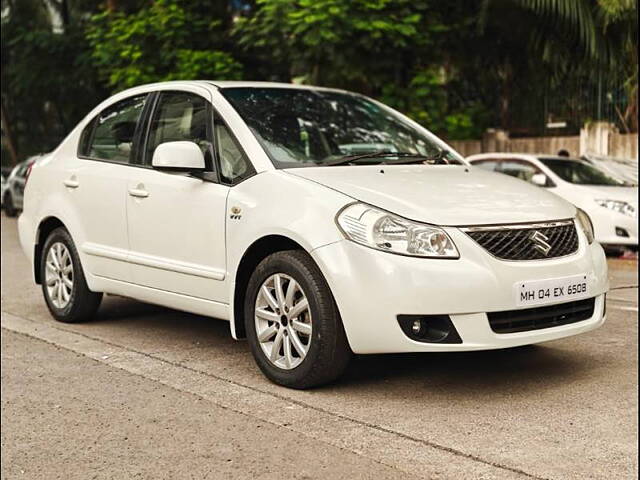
pixel 63 284
pixel 292 322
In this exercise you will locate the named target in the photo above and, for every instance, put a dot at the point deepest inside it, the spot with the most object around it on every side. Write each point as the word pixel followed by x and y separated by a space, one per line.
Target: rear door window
pixel 110 136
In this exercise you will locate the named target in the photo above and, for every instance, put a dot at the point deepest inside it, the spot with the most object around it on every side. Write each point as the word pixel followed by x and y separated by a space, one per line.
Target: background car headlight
pixel 585 223
pixel 618 206
pixel 385 231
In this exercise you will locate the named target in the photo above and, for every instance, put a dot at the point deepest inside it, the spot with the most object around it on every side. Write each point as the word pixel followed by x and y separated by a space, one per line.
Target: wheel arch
pixel 45 227
pixel 257 251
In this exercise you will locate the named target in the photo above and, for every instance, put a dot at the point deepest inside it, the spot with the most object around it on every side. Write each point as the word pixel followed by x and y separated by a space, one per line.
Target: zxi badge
pixel 540 242
pixel 236 213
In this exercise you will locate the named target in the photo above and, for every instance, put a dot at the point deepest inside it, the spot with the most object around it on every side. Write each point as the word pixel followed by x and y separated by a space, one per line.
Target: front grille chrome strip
pixel 516 226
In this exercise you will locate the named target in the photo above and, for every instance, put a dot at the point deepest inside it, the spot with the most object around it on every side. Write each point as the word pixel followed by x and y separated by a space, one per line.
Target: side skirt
pixel 155 296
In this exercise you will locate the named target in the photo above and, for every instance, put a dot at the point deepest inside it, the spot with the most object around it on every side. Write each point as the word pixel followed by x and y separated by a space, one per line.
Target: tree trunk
pixel 8 133
pixel 631 113
pixel 64 13
pixel 505 99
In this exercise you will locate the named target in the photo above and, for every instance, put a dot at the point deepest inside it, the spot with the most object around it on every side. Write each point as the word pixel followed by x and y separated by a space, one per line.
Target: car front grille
pixel 512 321
pixel 527 241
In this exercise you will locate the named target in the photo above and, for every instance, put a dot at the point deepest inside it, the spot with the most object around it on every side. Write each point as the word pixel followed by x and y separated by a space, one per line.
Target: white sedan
pixel 318 222
pixel 611 204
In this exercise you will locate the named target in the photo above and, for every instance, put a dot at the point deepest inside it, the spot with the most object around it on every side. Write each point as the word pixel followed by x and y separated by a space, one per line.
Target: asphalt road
pixel 148 392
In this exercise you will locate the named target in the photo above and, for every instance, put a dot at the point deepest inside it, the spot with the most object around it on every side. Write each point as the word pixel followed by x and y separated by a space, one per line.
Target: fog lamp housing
pixel 621 232
pixel 429 328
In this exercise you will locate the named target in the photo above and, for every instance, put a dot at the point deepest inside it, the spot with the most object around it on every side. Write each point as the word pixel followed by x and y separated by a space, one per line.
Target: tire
pixel 614 252
pixel 80 303
pixel 327 350
pixel 9 209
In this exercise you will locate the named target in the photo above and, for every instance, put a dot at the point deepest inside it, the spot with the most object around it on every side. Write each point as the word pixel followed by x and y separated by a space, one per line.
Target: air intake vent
pixel 512 321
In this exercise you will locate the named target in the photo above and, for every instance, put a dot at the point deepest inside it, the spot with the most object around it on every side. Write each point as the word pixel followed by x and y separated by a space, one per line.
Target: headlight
pixel 585 222
pixel 384 231
pixel 618 206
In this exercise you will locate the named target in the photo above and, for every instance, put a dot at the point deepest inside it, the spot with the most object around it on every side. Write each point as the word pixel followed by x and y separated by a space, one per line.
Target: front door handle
pixel 71 182
pixel 138 192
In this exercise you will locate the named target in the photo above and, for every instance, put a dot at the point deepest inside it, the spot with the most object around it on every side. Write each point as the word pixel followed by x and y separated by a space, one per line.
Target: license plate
pixel 553 290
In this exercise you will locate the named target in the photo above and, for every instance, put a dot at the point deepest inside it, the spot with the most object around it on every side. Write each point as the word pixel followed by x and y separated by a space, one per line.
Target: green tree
pixel 390 49
pixel 48 83
pixel 166 40
pixel 457 67
pixel 548 43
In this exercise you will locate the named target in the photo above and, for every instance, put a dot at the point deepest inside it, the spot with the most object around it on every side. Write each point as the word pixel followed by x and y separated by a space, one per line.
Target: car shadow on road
pixel 142 319
pixel 115 308
pixel 500 371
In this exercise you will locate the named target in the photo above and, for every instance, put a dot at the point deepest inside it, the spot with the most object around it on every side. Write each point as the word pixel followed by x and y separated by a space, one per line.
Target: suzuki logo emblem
pixel 540 243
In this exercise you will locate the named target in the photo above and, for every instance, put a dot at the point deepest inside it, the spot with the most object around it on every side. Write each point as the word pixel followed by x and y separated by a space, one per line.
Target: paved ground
pixel 147 392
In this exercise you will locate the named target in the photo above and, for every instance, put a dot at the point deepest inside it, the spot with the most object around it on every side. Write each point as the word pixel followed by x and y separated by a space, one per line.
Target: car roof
pixel 489 155
pixel 222 84
pixel 562 159
pixel 252 84
pixel 524 156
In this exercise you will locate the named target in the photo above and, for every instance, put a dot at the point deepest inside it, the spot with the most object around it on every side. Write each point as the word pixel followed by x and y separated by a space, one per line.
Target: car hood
pixel 603 192
pixel 442 194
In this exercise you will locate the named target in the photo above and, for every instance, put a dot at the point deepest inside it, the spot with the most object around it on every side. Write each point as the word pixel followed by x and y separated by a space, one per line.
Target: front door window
pixel 179 116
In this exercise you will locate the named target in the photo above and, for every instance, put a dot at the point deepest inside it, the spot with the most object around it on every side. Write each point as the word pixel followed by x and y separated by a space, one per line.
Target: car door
pixel 176 221
pixel 94 184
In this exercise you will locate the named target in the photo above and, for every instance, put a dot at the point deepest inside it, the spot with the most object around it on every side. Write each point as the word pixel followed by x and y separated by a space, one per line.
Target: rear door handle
pixel 71 182
pixel 138 192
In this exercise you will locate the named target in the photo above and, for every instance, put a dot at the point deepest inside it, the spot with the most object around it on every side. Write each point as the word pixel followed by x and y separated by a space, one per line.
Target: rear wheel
pixel 63 283
pixel 292 322
pixel 9 208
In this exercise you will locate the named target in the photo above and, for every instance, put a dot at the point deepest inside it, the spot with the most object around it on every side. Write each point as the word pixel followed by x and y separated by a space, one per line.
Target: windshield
pixel 302 127
pixel 580 173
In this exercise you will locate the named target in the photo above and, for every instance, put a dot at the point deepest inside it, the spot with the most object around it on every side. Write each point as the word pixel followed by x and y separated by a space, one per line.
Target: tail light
pixel 28 172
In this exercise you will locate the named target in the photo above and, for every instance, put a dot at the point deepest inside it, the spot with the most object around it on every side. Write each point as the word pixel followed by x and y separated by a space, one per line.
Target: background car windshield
pixel 579 173
pixel 300 127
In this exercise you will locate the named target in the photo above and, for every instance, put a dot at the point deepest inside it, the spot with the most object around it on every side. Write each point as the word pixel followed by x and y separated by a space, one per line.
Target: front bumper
pixel 371 288
pixel 26 235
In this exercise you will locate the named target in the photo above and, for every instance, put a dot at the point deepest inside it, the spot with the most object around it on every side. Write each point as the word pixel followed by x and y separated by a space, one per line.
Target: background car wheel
pixel 63 284
pixel 293 325
pixel 613 251
pixel 9 209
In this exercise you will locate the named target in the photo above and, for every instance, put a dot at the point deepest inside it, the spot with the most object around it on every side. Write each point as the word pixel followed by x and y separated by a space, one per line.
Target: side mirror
pixel 539 179
pixel 179 156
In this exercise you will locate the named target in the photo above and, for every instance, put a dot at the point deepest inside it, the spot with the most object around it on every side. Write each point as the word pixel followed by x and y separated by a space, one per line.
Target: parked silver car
pixel 3 188
pixel 13 191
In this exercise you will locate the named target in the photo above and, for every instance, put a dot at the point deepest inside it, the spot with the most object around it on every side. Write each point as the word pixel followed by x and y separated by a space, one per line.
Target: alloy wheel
pixel 59 275
pixel 283 321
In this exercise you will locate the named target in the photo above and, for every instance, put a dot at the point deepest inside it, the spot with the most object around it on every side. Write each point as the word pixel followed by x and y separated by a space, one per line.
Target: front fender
pixel 277 203
pixel 264 207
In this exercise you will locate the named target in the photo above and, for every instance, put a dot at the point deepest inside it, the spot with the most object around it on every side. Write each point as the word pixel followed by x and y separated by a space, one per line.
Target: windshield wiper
pixel 406 158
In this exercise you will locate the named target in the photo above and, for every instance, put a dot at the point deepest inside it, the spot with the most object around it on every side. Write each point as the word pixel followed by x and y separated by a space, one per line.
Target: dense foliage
pixel 166 40
pixel 457 67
